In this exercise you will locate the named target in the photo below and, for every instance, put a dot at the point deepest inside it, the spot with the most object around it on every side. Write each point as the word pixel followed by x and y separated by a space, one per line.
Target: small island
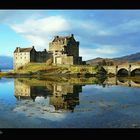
pixel 62 59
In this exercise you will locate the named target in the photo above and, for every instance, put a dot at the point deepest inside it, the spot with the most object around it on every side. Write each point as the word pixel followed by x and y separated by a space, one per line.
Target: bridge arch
pixel 122 80
pixel 122 72
pixel 135 72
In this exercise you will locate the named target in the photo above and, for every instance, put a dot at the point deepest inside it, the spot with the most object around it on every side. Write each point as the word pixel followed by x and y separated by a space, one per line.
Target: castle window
pixel 25 57
pixel 21 57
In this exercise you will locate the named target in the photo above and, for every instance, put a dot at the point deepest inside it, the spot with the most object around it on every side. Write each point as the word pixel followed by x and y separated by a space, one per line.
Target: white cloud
pixel 126 27
pixel 48 25
pixel 41 108
pixel 100 51
pixel 39 31
pixel 38 41
pixel 89 28
pixel 106 49
pixel 130 26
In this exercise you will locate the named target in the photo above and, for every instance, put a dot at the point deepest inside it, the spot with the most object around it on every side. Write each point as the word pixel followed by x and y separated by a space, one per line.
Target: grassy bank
pixel 42 69
pixel 57 80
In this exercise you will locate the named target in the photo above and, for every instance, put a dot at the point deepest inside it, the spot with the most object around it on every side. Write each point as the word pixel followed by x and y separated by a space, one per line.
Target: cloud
pixel 106 49
pixel 110 35
pixel 39 31
pixel 99 51
pixel 42 29
pixel 124 27
pixel 48 25
pixel 5 15
pixel 88 28
pixel 40 109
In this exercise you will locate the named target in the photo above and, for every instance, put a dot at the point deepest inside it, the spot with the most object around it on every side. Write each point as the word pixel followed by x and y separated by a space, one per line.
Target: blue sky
pixel 102 33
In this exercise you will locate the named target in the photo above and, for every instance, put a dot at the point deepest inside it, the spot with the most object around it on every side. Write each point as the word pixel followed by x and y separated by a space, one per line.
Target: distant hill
pixel 131 58
pixel 6 62
pixel 120 60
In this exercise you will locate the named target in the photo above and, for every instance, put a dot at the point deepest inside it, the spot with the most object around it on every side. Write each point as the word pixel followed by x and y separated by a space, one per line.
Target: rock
pixel 135 125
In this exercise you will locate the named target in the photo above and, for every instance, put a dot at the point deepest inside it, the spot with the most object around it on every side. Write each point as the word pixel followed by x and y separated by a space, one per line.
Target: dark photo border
pixel 69 4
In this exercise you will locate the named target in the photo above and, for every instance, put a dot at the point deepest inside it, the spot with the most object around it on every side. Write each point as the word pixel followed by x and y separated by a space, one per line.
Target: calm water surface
pixel 75 103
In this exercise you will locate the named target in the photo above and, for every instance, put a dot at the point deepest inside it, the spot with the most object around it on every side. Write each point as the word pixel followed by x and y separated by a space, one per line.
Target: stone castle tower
pixel 65 50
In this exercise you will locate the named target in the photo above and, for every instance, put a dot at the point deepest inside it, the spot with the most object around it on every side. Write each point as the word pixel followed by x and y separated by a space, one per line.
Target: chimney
pixel 72 35
pixel 56 36
pixel 18 49
pixel 33 47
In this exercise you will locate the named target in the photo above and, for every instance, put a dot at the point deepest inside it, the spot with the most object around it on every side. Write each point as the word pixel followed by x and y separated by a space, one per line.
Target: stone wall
pixel 41 56
pixel 21 90
pixel 73 50
pixel 56 46
pixel 21 59
pixel 64 60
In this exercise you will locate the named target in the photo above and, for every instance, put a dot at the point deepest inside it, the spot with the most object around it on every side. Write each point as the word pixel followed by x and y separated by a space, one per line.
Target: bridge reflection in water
pixel 63 95
pixel 123 81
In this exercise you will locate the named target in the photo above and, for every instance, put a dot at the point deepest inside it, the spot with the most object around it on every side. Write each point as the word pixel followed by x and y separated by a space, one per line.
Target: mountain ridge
pixel 118 60
pixel 6 62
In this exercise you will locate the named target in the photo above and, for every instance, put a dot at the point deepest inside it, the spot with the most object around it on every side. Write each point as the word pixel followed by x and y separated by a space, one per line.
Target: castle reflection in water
pixel 63 95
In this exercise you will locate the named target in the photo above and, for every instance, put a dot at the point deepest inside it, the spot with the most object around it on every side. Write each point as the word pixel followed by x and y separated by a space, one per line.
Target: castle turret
pixel 72 35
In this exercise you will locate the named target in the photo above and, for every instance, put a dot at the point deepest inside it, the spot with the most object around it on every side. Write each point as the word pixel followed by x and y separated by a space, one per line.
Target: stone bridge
pixel 129 69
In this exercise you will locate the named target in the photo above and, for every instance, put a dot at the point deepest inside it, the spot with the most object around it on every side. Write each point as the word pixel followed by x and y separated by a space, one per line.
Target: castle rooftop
pixel 18 49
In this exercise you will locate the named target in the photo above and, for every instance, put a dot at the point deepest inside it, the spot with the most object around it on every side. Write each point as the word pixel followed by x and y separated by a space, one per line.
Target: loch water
pixel 69 103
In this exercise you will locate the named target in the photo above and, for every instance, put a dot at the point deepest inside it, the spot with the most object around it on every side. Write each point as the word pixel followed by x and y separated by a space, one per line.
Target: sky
pixel 101 33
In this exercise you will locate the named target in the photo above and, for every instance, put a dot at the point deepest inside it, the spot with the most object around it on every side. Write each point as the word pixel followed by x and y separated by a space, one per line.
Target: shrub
pixel 20 68
pixel 83 70
pixel 49 62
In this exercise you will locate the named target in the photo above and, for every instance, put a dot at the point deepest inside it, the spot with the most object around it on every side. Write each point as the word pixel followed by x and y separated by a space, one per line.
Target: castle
pixel 62 51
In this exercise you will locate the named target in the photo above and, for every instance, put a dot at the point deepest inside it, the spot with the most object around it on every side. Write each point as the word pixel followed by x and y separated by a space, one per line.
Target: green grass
pixel 55 80
pixel 42 68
